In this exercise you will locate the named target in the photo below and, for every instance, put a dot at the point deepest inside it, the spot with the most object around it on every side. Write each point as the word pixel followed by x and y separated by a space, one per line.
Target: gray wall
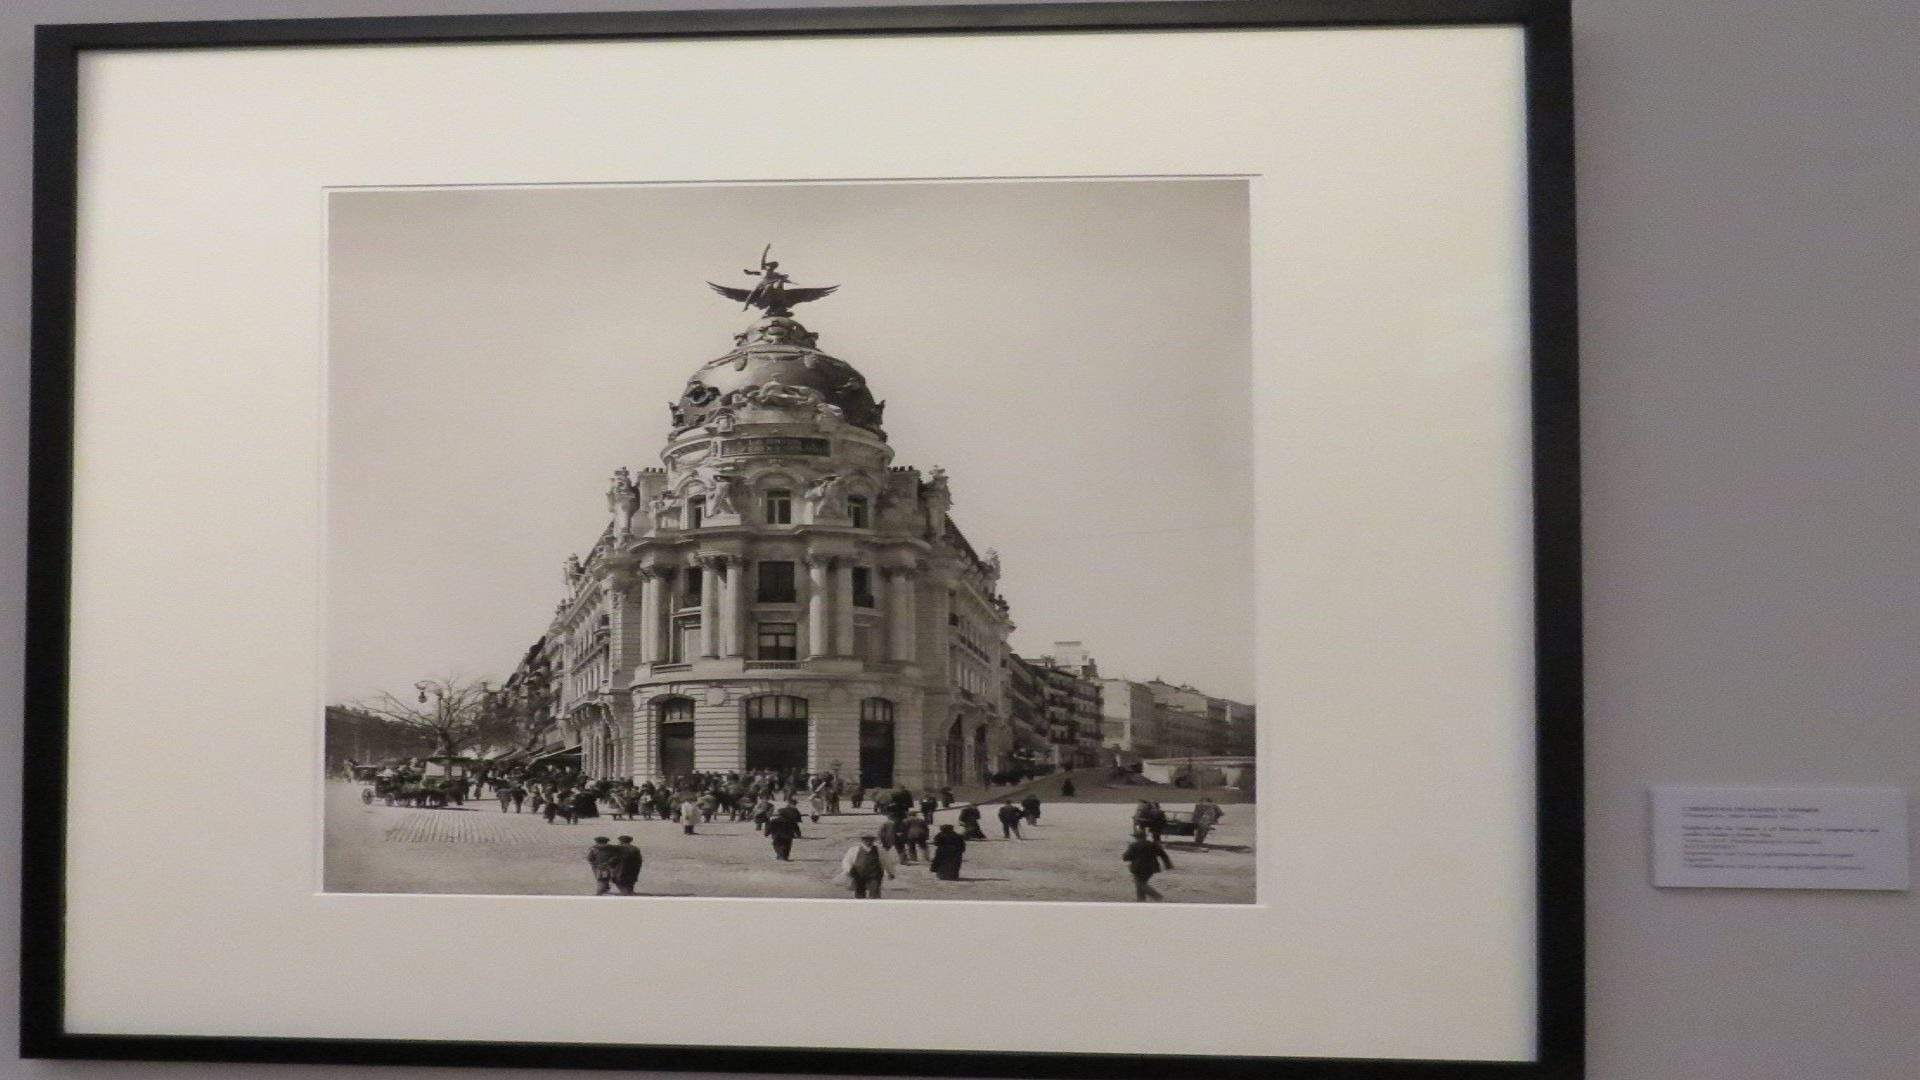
pixel 1750 269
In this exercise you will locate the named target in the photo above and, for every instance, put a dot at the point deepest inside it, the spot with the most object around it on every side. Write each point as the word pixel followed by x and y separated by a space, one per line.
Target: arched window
pixel 776 732
pixel 876 742
pixel 776 707
pixel 778 505
pixel 674 717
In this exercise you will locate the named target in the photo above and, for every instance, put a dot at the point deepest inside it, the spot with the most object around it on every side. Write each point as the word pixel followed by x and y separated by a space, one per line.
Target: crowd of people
pixel 777 803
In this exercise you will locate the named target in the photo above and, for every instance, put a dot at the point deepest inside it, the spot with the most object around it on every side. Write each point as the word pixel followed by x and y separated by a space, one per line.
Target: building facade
pixel 1070 705
pixel 777 594
pixel 1129 720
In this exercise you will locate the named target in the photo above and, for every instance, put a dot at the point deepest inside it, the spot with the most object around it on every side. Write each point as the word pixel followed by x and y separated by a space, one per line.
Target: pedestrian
pixel 817 804
pixel 505 795
pixel 889 834
pixel 519 797
pixel 946 797
pixel 585 804
pixel 863 866
pixel 626 865
pixel 928 804
pixel 1156 823
pixel 970 823
pixel 1206 814
pixel 709 804
pixel 913 839
pixel 1010 817
pixel 1144 858
pixel 600 858
pixel 1066 788
pixel 550 810
pixel 1142 818
pixel 783 830
pixel 1031 807
pixel 948 849
pixel 689 813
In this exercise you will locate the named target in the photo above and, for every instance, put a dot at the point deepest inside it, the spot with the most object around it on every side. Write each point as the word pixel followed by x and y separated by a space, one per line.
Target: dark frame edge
pixel 879 19
pixel 49 546
pixel 1559 774
pixel 1560 968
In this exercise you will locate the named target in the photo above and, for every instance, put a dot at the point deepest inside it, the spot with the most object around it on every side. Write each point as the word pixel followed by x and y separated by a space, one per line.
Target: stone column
pixel 819 624
pixel 710 604
pixel 843 605
pixel 730 621
pixel 651 634
pixel 900 594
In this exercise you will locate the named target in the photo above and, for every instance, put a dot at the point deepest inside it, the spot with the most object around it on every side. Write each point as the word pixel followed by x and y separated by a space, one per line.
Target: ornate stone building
pixel 778 594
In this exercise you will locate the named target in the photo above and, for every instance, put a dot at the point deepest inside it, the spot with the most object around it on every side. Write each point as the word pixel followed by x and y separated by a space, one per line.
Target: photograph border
pixel 1559 973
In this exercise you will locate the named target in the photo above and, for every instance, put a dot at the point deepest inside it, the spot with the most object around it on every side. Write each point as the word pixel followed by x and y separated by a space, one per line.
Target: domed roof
pixel 774 365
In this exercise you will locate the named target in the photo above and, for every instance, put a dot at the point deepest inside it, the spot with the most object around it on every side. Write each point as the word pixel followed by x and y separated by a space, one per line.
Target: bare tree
pixel 454 713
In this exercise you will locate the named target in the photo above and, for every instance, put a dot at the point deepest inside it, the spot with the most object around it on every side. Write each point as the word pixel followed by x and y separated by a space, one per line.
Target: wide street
pixel 1072 854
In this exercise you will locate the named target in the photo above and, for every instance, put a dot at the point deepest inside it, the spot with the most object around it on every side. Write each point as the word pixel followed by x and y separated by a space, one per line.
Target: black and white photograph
pixel 791 540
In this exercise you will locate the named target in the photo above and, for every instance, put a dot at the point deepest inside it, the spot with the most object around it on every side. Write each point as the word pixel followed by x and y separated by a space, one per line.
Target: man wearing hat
pixel 600 859
pixel 863 866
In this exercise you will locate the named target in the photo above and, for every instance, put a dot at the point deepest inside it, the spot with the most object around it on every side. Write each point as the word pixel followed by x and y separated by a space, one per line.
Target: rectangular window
pixel 857 510
pixel 691 579
pixel 776 583
pixel 696 512
pixel 862 587
pixel 779 507
pixel 685 641
pixel 778 641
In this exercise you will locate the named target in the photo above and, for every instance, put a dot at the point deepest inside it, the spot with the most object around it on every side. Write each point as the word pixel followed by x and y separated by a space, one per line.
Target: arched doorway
pixel 876 743
pixel 776 732
pixel 956 755
pixel 673 717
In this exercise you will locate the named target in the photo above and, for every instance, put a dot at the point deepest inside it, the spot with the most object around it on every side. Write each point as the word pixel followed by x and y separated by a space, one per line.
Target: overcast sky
pixel 1075 354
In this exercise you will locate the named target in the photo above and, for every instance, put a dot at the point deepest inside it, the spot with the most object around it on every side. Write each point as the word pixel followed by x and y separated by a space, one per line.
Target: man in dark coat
pixel 913 839
pixel 782 830
pixel 600 859
pixel 1067 788
pixel 1031 807
pixel 1010 816
pixel 626 865
pixel 519 797
pixel 970 823
pixel 928 804
pixel 948 848
pixel 946 797
pixel 584 804
pixel 1144 858
pixel 888 834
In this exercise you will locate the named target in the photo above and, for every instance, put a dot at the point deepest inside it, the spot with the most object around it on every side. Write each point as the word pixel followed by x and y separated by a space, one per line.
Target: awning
pixel 560 751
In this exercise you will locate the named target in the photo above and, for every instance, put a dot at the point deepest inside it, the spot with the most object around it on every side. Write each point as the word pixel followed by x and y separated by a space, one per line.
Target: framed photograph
pixel 533 515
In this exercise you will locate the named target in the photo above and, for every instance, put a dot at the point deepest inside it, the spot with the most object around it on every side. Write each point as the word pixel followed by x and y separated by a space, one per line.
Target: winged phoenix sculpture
pixel 772 293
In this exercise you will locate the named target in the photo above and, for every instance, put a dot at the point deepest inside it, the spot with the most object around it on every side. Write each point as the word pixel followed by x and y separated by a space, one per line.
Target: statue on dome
pixel 773 293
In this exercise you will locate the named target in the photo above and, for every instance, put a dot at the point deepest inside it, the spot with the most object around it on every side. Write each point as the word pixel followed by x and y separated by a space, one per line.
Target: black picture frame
pixel 1556 507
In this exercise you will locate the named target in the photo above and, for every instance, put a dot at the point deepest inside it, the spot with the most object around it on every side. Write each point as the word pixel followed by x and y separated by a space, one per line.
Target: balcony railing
pixel 772 665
